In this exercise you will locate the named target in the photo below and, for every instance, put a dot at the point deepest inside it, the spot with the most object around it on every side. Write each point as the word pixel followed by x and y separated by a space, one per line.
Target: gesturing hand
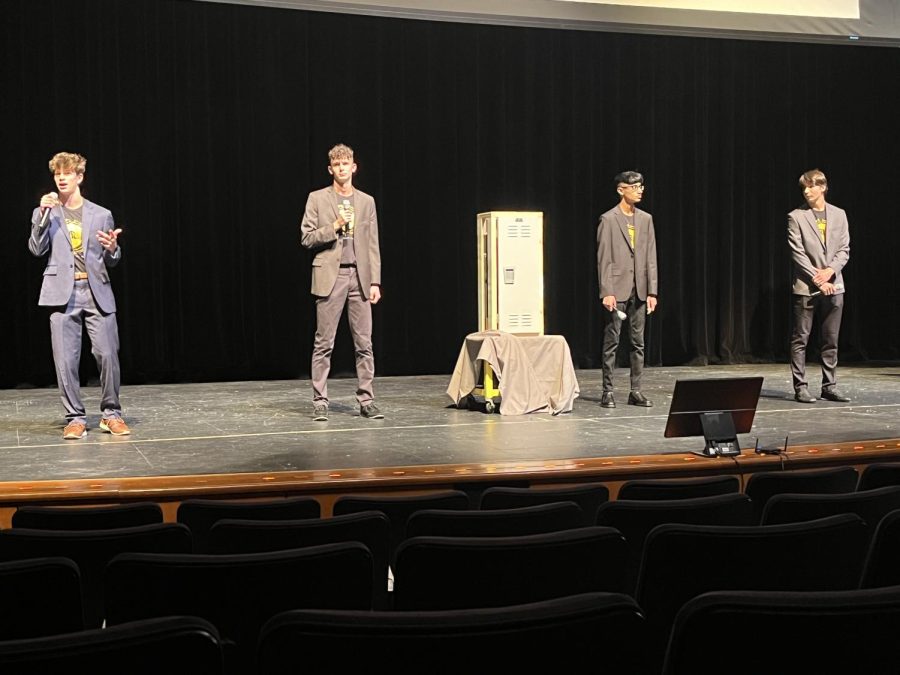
pixel 109 239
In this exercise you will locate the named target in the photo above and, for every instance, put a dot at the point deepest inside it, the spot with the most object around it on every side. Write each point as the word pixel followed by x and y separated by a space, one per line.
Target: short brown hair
pixel 67 161
pixel 340 151
pixel 813 177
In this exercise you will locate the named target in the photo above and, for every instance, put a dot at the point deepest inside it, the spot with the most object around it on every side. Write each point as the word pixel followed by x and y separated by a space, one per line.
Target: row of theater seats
pixel 736 632
pixel 238 564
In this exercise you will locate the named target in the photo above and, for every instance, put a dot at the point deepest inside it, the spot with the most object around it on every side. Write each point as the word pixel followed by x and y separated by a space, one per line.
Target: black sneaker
pixel 833 395
pixel 802 396
pixel 371 411
pixel 607 400
pixel 320 412
pixel 637 398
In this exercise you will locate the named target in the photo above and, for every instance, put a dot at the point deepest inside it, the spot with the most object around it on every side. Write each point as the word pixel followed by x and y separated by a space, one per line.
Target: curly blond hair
pixel 67 161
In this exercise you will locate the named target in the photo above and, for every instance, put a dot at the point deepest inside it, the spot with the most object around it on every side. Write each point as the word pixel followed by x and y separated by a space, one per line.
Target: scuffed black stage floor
pixel 189 429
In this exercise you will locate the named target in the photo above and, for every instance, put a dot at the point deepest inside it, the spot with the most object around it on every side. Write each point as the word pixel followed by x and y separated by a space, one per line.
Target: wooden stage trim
pixel 326 485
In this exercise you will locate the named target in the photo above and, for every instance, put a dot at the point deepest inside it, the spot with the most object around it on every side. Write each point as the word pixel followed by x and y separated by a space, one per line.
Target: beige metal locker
pixel 511 272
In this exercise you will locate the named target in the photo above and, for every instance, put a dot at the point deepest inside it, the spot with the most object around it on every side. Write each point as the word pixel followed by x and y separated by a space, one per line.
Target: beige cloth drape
pixel 535 373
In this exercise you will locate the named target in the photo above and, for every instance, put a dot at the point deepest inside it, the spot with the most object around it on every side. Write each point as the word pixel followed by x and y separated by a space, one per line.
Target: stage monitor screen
pixel 717 409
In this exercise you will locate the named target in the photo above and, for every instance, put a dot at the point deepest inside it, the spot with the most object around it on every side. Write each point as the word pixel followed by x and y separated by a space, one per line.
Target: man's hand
pixel 610 302
pixel 827 288
pixel 109 240
pixel 651 304
pixel 374 294
pixel 822 276
pixel 49 200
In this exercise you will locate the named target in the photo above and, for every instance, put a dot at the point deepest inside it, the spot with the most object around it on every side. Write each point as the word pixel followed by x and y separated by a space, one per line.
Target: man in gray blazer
pixel 82 242
pixel 626 268
pixel 340 226
pixel 819 239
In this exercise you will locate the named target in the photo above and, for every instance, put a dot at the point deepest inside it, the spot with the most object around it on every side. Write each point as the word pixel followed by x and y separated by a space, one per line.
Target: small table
pixel 536 372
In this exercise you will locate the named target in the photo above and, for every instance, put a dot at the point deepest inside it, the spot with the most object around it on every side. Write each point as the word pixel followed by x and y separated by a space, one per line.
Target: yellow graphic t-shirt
pixel 74 226
pixel 631 233
pixel 821 224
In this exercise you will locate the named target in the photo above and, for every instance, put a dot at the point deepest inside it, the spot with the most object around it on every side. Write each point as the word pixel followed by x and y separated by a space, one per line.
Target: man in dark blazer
pixel 82 242
pixel 626 268
pixel 819 239
pixel 340 226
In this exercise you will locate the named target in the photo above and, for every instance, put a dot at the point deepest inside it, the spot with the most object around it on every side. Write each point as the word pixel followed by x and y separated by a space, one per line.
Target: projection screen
pixel 859 22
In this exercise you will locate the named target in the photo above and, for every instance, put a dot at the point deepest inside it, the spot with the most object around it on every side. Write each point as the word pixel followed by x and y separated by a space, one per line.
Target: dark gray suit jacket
pixel 59 275
pixel 620 268
pixel 808 253
pixel 317 234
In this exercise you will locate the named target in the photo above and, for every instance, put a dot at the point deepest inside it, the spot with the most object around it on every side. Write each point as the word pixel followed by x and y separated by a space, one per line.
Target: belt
pixel 80 276
pixel 348 264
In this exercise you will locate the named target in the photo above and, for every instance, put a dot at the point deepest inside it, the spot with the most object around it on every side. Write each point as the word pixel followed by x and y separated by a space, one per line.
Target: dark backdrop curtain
pixel 206 125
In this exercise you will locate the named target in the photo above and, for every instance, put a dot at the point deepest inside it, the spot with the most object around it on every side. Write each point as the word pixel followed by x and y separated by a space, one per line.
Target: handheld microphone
pixel 45 212
pixel 619 313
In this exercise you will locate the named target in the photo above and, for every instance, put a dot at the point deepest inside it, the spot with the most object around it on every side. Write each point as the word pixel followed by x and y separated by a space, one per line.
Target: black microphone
pixel 45 213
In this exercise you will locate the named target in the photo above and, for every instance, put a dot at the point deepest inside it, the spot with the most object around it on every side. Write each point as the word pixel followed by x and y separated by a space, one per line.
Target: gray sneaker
pixel 371 411
pixel 320 412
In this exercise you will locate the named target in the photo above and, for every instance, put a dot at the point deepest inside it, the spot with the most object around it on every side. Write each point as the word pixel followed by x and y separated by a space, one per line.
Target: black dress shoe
pixel 637 398
pixel 607 400
pixel 833 395
pixel 802 396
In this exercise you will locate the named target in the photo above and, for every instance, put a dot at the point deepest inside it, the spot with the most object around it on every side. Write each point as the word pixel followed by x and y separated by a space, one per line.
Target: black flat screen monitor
pixel 717 409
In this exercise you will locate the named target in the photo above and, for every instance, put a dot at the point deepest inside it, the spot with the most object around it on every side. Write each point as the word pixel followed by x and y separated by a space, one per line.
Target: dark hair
pixel 629 178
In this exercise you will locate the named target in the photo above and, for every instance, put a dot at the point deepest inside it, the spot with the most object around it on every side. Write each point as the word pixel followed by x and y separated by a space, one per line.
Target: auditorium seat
pixel 764 485
pixel 870 505
pixel 678 488
pixel 588 496
pixel 87 517
pixel 883 560
pixel 200 514
pixel 636 518
pixel 91 550
pixel 179 645
pixel 603 629
pixel 495 522
pixel 682 561
pixel 880 474
pixel 398 508
pixel 752 632
pixel 370 528
pixel 465 572
pixel 39 596
pixel 238 593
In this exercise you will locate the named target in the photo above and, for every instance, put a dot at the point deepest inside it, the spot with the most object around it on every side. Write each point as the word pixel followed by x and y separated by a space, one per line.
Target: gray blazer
pixel 808 253
pixel 59 275
pixel 317 234
pixel 620 268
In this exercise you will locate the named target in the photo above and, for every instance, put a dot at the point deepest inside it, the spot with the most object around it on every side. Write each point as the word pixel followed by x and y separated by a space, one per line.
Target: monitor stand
pixel 721 438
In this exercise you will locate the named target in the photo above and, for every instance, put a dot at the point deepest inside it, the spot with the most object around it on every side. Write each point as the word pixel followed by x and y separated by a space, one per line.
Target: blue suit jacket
pixel 59 275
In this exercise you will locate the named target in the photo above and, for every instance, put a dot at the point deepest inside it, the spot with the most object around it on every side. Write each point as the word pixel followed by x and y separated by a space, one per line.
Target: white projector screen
pixel 861 22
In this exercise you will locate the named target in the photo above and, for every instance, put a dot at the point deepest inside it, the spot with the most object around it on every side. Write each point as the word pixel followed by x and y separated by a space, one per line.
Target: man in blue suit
pixel 82 242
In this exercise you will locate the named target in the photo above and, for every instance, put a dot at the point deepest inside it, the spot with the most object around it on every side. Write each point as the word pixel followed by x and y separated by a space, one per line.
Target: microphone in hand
pixel 45 210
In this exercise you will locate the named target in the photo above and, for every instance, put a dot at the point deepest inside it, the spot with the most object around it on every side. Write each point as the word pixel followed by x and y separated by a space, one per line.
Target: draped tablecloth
pixel 535 373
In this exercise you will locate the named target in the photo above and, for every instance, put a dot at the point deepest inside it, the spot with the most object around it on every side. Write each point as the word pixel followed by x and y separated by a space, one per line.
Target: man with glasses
pixel 819 238
pixel 626 268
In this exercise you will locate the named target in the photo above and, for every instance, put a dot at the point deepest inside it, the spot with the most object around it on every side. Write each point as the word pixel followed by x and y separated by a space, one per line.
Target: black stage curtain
pixel 205 126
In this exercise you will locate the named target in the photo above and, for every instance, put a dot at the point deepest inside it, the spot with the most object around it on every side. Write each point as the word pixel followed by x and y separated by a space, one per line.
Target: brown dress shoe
pixel 115 425
pixel 74 431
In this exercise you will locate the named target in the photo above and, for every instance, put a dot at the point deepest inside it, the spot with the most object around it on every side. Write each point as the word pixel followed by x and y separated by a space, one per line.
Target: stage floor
pixel 251 427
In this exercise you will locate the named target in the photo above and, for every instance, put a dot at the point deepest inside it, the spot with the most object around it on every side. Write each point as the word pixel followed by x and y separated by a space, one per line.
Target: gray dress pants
pixel 328 314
